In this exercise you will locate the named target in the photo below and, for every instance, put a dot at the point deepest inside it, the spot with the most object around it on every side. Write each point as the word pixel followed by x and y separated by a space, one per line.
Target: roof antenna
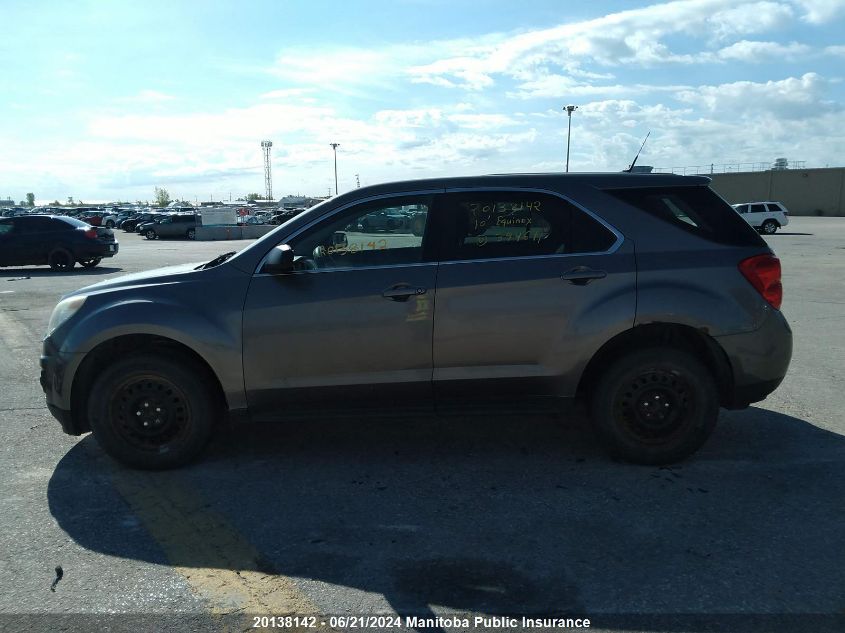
pixel 631 168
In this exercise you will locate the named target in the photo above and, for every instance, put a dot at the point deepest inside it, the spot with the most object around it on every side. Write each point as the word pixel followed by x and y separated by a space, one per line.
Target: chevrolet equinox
pixel 646 296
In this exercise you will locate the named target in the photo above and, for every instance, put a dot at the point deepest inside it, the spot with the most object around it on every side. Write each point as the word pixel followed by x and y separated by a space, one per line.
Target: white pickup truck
pixel 766 217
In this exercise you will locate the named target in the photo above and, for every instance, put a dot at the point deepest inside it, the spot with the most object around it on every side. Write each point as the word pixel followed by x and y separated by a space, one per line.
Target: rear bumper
pixel 96 250
pixel 759 359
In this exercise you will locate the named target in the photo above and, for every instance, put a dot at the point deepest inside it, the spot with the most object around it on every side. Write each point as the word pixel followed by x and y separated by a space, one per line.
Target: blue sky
pixel 107 100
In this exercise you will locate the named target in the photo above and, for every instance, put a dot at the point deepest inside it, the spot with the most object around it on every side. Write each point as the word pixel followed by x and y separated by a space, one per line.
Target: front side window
pixel 385 232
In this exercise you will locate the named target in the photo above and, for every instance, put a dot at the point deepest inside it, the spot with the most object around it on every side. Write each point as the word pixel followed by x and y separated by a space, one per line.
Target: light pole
pixel 569 110
pixel 334 149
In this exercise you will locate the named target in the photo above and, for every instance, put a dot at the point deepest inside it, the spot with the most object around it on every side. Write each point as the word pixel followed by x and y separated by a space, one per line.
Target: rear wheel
pixel 191 234
pixel 150 234
pixel 60 259
pixel 655 406
pixel 109 224
pixel 769 227
pixel 152 412
pixel 90 263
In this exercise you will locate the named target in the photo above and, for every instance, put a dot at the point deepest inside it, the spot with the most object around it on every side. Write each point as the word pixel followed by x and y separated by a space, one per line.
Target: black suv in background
pixel 647 297
pixel 59 241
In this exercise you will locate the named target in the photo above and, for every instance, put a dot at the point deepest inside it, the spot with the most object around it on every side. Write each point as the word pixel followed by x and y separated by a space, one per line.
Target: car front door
pixel 529 286
pixel 350 327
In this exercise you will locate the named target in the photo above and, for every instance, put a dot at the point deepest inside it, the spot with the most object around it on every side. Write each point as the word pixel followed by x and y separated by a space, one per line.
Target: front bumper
pixel 54 381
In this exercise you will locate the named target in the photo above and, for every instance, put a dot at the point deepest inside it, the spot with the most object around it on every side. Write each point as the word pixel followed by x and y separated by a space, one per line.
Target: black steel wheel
pixel 655 406
pixel 153 412
pixel 61 259
pixel 90 263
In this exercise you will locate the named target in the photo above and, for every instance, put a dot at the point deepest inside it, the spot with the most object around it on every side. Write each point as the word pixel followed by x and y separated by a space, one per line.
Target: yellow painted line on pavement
pixel 219 565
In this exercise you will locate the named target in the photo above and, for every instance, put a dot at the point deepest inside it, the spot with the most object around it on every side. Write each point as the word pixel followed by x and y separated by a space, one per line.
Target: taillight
pixel 763 272
pixel 91 234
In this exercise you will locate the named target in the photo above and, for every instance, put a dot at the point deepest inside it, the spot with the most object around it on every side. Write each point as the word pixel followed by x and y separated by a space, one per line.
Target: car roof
pixel 615 180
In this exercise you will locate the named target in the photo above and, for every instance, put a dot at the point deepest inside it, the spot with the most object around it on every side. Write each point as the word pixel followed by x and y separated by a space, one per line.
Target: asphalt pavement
pixel 432 517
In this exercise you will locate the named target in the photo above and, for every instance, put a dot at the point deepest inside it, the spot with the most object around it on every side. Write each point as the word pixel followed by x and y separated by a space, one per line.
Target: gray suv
pixel 643 295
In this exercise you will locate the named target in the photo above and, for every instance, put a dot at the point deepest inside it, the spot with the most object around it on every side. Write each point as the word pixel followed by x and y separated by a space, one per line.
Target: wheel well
pixel 672 335
pixel 119 347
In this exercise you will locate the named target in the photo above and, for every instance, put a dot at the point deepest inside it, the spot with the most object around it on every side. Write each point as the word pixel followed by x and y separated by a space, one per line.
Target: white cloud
pixel 821 11
pixel 794 97
pixel 151 96
pixel 756 52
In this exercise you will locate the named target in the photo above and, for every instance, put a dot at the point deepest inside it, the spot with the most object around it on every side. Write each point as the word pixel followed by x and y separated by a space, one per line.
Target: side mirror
pixel 279 261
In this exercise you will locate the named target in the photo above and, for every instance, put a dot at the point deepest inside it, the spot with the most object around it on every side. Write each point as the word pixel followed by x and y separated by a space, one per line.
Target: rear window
pixel 73 222
pixel 696 210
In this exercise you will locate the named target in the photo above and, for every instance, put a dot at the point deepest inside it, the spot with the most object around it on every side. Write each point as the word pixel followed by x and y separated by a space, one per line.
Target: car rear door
pixel 757 214
pixel 7 228
pixel 529 286
pixel 351 327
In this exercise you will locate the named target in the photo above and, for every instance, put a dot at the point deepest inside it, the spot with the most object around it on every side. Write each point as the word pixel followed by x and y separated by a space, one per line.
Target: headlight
pixel 63 311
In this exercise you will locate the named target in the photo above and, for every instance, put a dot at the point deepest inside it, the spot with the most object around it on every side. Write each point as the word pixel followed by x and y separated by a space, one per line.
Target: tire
pixel 191 234
pixel 109 224
pixel 625 417
pixel 121 411
pixel 365 226
pixel 61 259
pixel 150 234
pixel 90 263
pixel 769 227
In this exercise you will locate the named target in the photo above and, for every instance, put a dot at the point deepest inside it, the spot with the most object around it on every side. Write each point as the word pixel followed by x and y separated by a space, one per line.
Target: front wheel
pixel 770 227
pixel 150 234
pixel 655 406
pixel 152 412
pixel 191 234
pixel 90 263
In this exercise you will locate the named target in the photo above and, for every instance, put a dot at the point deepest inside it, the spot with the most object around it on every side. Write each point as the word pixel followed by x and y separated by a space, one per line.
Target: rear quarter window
pixel 696 210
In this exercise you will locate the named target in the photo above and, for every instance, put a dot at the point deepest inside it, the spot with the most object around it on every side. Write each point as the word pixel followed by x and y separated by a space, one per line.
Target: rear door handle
pixel 402 292
pixel 582 275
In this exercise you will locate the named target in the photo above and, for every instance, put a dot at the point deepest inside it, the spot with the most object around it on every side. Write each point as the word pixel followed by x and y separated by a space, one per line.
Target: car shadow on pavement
pixel 788 233
pixel 17 273
pixel 507 515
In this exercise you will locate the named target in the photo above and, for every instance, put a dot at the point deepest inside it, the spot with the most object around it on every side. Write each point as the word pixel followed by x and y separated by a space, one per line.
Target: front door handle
pixel 402 292
pixel 582 275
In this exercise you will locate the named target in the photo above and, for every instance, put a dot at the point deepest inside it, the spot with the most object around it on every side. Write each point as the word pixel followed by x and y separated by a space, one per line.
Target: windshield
pixel 216 261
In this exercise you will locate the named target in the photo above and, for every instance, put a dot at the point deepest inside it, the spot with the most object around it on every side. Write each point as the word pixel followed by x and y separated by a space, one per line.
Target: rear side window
pixel 503 224
pixel 36 225
pixel 697 210
pixel 499 224
pixel 758 208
